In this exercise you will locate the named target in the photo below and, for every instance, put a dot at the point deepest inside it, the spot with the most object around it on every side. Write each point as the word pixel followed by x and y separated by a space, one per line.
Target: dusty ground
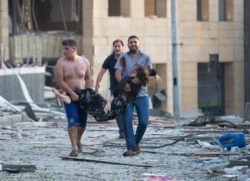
pixel 43 145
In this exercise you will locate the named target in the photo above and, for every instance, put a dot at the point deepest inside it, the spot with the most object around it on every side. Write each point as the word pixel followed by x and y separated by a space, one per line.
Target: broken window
pixel 202 10
pixel 114 8
pixel 46 15
pixel 155 8
pixel 225 10
pixel 118 8
pixel 211 86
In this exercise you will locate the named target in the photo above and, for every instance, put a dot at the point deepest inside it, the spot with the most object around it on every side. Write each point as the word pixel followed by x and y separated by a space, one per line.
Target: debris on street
pixel 170 150
pixel 35 145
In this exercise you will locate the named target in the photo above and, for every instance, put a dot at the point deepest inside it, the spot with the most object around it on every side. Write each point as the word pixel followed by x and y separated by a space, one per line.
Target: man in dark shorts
pixel 73 73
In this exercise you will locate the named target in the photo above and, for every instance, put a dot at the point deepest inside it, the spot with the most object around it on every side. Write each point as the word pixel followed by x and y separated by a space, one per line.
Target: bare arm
pixel 118 75
pixel 107 107
pixel 88 80
pixel 99 78
pixel 88 77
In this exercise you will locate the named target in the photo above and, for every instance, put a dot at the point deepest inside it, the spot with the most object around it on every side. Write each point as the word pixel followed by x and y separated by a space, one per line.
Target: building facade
pixel 210 43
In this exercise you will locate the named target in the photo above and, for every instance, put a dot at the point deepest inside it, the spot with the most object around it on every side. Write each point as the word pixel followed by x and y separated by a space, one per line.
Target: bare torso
pixel 72 74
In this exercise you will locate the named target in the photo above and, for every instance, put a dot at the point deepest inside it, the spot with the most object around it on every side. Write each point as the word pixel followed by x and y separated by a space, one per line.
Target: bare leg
pixel 72 131
pixel 80 131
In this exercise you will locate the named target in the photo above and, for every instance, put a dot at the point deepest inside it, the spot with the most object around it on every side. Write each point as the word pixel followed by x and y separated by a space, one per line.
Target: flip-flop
pixel 79 148
pixel 73 153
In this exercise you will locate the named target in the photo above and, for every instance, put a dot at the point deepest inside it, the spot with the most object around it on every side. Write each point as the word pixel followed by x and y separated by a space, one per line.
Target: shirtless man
pixel 73 73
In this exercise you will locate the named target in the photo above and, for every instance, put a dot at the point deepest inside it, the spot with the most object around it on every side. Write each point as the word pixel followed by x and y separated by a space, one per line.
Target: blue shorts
pixel 76 115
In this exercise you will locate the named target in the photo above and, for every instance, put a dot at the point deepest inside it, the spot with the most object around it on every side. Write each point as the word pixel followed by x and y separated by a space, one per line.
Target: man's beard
pixel 132 50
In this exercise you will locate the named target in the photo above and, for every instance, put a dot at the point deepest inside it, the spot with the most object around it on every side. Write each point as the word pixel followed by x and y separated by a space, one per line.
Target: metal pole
pixel 175 65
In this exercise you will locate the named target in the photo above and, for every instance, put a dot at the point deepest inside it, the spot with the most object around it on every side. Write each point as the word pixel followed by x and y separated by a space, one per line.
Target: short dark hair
pixel 133 36
pixel 152 72
pixel 69 42
pixel 117 41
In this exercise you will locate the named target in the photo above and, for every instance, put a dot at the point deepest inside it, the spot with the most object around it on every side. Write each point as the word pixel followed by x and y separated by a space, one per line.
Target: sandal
pixel 79 146
pixel 73 153
pixel 137 149
pixel 129 153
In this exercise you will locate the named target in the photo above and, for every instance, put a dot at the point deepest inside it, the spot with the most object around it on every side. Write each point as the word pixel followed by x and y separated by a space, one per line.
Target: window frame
pixel 202 13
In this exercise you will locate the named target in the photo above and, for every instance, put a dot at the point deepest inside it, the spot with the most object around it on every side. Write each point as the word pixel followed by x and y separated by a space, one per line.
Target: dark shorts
pixel 75 114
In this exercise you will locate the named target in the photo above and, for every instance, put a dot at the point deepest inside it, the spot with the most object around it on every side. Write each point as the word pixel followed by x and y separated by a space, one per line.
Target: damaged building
pixel 199 47
pixel 211 44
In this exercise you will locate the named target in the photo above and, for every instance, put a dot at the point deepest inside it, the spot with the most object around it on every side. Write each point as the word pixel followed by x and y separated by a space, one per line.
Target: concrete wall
pixel 100 30
pixel 211 37
pixel 199 40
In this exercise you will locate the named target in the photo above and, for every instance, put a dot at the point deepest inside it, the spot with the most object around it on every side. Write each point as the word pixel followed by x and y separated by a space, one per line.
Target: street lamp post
pixel 175 64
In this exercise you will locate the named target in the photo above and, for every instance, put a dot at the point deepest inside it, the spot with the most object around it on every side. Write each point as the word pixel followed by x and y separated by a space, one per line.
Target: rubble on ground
pixel 38 150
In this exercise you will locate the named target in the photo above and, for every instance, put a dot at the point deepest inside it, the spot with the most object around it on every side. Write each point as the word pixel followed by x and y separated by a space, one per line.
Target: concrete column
pixel 4 30
pixel 87 18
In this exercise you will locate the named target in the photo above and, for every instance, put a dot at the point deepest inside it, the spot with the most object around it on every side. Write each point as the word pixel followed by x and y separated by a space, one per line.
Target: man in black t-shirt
pixel 109 64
